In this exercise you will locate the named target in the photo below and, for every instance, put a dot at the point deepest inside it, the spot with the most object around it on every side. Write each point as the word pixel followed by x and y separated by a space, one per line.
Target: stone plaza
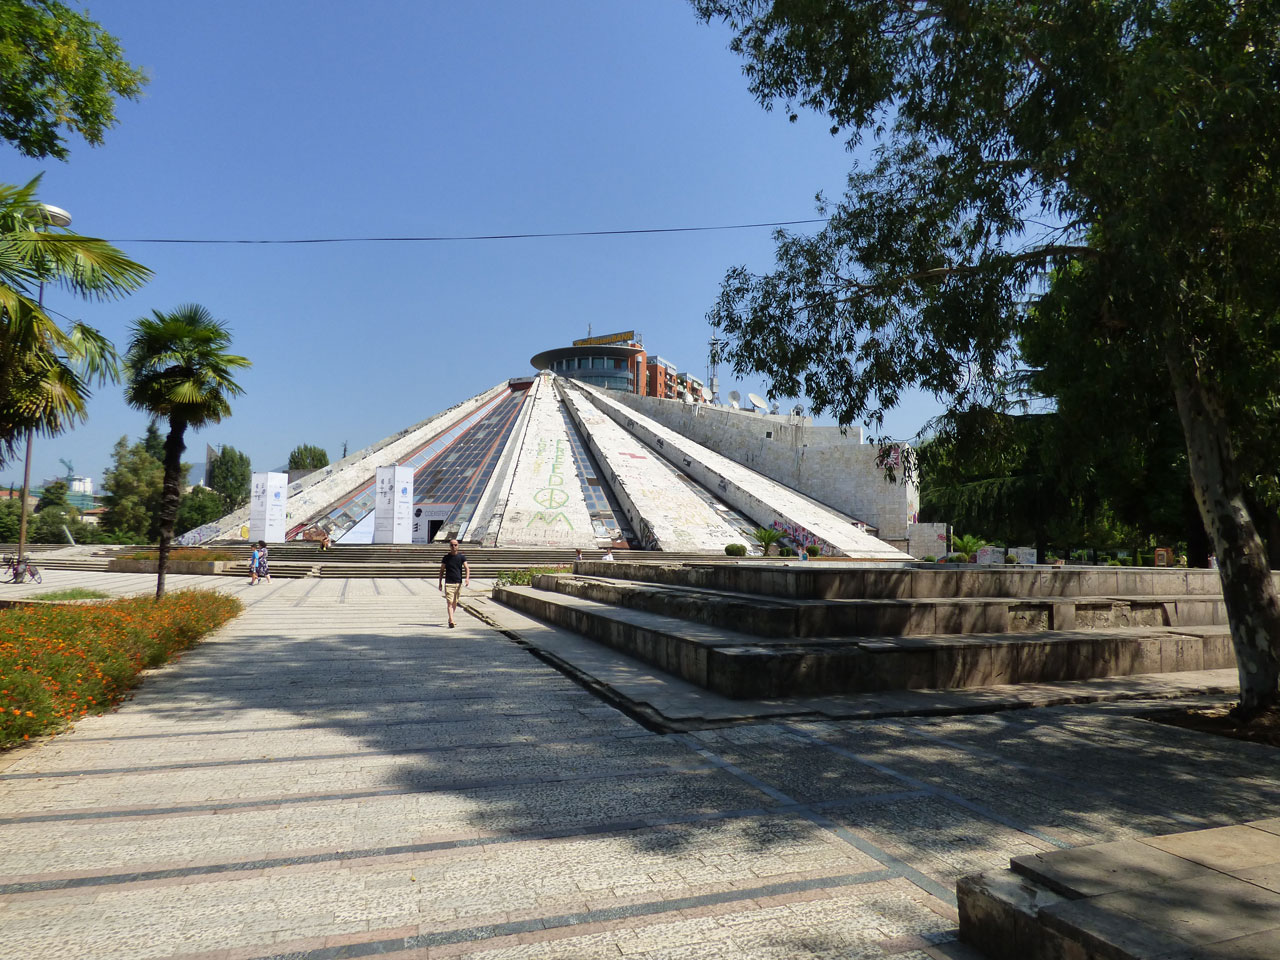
pixel 335 774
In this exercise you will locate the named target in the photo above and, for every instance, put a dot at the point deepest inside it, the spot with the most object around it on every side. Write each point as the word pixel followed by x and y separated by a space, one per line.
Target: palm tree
pixel 766 537
pixel 177 367
pixel 46 370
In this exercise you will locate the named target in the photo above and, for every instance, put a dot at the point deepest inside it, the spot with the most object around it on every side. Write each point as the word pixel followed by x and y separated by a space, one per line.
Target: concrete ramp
pixel 663 510
pixel 766 501
pixel 546 506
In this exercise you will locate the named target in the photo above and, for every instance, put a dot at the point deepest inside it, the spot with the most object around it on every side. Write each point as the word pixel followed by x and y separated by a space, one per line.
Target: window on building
pixel 597 363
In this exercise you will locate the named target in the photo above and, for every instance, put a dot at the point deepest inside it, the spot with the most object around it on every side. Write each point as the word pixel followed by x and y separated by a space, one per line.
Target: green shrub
pixel 1126 561
pixel 786 552
pixel 957 558
pixel 1114 563
pixel 522 578
pixel 1010 558
pixel 735 549
pixel 813 550
pixel 929 558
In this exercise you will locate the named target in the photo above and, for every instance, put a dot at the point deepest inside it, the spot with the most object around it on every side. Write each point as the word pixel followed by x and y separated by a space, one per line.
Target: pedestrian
pixel 253 566
pixel 264 572
pixel 608 554
pixel 577 558
pixel 804 553
pixel 455 573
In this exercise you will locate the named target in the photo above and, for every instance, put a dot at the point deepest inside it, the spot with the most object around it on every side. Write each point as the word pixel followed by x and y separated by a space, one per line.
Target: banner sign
pixel 393 505
pixel 626 336
pixel 423 514
pixel 268 503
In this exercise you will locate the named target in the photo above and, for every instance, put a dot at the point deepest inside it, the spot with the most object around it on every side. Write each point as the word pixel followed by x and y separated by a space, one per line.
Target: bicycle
pixel 21 570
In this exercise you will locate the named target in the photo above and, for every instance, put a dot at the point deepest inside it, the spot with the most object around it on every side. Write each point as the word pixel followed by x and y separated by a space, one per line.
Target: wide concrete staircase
pixel 761 629
pixel 304 559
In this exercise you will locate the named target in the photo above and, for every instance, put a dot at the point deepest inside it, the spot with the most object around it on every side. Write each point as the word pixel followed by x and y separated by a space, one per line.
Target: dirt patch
pixel 1218 720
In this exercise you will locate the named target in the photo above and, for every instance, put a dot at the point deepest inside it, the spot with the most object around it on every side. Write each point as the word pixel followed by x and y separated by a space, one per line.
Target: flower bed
pixel 60 662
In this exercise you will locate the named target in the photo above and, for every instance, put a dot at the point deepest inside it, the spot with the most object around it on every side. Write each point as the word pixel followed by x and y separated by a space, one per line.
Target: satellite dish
pixel 756 401
pixel 706 395
pixel 773 408
pixel 734 398
pixel 733 404
pixel 798 410
pixel 688 398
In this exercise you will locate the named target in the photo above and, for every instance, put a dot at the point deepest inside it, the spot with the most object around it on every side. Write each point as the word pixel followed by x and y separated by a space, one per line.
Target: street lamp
pixel 58 217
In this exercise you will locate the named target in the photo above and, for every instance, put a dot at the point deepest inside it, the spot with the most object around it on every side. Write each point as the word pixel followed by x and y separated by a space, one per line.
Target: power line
pixel 491 236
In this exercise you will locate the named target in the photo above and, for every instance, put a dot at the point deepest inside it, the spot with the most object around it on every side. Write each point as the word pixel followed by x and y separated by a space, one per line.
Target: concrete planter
pixel 204 567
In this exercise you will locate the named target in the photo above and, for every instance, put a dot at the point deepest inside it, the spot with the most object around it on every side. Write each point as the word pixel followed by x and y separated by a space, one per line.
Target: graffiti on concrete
pixel 552 496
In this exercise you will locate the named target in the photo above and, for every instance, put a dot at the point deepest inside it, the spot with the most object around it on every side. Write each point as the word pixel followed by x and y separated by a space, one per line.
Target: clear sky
pixel 395 119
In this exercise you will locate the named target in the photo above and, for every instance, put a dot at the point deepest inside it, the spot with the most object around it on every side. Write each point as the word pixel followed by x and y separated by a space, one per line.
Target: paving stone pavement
pixel 337 774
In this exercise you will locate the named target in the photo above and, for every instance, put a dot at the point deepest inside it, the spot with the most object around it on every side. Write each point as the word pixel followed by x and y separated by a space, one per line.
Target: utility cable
pixel 492 236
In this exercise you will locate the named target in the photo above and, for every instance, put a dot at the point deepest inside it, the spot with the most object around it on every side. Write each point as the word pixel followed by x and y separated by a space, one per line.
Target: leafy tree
pixel 308 457
pixel 1107 167
pixel 153 441
pixel 54 523
pixel 9 520
pixel 59 72
pixel 132 486
pixel 53 495
pixel 766 537
pixel 230 474
pixel 196 508
pixel 178 368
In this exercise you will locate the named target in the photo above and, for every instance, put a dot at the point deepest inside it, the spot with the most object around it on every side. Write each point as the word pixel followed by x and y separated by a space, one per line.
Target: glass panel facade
pixel 356 507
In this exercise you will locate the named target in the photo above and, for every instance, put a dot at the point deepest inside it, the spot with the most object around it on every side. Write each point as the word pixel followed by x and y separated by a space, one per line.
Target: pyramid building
pixel 607 447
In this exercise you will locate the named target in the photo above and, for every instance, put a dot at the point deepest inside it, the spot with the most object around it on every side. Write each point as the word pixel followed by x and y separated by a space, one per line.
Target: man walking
pixel 455 573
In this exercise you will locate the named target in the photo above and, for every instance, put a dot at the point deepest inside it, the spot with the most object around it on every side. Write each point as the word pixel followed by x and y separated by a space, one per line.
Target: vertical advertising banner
pixel 268 502
pixel 393 505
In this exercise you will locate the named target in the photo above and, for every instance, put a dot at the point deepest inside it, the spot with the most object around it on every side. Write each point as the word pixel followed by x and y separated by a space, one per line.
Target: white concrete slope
pixel 664 512
pixel 310 495
pixel 545 505
pixel 767 502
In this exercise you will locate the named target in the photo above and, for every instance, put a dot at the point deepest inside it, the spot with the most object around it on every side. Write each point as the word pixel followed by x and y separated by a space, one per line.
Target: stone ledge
pixel 1203 895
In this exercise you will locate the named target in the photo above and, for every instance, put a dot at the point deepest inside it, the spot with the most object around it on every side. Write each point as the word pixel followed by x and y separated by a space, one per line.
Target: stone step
pixel 1201 894
pixel 745 666
pixel 824 580
pixel 799 617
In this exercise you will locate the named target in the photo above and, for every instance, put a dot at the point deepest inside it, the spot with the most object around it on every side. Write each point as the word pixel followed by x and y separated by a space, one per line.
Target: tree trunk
pixel 169 496
pixel 1252 600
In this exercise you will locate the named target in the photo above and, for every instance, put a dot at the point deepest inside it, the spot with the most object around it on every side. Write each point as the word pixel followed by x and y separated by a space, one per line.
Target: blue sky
pixel 386 119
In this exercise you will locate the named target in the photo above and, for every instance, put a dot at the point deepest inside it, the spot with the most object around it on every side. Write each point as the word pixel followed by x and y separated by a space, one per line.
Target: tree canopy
pixel 230 474
pixel 46 370
pixel 1098 175
pixel 306 456
pixel 131 488
pixel 178 367
pixel 60 72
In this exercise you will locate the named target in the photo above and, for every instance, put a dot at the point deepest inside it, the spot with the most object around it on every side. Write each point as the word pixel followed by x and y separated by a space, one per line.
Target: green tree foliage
pixel 53 495
pixel 60 72
pixel 132 487
pixel 9 520
pixel 46 371
pixel 230 474
pixel 308 457
pixel 196 508
pixel 153 441
pixel 766 537
pixel 178 368
pixel 1102 168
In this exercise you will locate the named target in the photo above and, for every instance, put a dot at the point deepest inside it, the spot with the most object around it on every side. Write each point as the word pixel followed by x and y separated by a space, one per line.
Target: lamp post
pixel 59 218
